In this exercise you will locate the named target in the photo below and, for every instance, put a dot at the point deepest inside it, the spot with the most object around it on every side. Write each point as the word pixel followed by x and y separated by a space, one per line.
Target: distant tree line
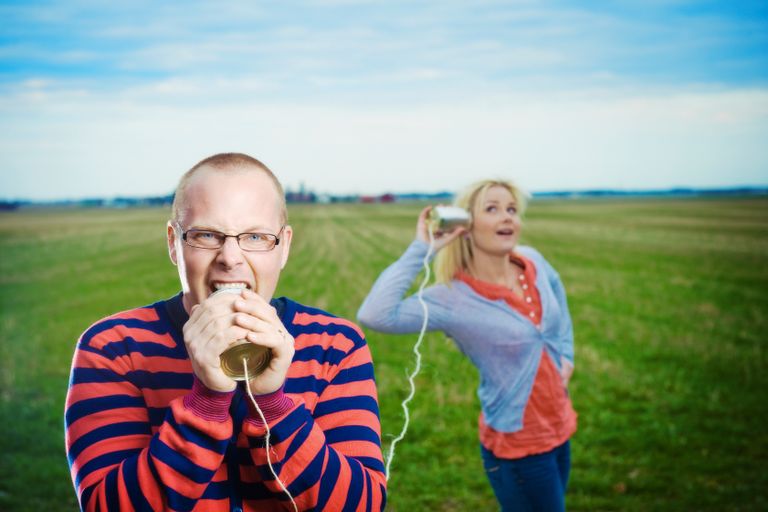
pixel 303 196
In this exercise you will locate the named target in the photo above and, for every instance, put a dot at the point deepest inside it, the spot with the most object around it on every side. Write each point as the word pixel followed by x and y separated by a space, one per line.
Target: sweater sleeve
pixel 565 332
pixel 329 459
pixel 115 459
pixel 386 310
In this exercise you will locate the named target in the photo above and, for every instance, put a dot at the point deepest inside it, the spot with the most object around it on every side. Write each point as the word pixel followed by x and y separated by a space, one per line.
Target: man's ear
pixel 171 232
pixel 285 242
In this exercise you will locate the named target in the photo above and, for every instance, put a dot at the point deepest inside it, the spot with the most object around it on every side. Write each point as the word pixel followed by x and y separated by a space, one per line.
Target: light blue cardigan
pixel 503 344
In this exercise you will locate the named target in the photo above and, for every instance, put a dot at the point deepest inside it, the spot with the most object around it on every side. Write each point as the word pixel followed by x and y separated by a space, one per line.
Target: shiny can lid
pixel 257 360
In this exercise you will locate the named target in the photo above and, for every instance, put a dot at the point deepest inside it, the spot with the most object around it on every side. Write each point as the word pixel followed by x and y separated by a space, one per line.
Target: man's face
pixel 231 203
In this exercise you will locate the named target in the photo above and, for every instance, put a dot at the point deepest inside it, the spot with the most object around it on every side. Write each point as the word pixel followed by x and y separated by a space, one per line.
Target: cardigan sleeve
pixel 565 331
pixel 386 309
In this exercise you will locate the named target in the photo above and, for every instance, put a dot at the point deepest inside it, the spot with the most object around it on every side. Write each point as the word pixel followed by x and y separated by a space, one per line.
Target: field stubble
pixel 670 306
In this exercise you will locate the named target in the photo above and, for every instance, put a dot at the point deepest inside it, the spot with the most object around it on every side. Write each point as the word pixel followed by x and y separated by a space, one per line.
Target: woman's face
pixel 495 222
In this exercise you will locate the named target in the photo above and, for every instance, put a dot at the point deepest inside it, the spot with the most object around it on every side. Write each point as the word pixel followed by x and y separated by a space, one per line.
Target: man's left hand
pixel 265 329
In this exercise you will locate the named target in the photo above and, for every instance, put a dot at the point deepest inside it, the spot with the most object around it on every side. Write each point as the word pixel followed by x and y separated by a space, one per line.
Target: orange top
pixel 549 419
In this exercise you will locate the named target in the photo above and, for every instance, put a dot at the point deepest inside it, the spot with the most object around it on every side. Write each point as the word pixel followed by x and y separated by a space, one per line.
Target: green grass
pixel 670 306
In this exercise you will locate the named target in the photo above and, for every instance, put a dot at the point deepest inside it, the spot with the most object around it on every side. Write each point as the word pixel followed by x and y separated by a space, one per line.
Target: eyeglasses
pixel 252 242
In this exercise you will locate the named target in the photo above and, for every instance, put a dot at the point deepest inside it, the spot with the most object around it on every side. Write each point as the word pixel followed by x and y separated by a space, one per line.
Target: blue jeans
pixel 535 483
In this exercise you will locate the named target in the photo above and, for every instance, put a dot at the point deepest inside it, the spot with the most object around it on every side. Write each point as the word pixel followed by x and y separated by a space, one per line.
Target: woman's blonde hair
pixel 458 254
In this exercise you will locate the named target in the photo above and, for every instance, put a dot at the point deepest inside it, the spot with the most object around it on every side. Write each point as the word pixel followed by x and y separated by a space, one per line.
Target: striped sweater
pixel 134 442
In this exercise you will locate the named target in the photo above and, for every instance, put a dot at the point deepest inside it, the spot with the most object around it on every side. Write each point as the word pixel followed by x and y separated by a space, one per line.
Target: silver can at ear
pixel 446 218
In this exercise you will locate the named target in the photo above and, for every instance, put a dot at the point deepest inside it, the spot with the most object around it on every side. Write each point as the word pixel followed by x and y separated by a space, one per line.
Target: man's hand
pixel 264 328
pixel 210 330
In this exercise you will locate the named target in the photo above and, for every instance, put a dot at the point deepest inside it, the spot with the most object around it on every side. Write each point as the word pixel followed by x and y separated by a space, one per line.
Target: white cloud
pixel 107 99
pixel 76 146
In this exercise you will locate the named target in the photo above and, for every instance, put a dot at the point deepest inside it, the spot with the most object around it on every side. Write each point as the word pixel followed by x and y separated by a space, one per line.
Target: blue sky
pixel 368 97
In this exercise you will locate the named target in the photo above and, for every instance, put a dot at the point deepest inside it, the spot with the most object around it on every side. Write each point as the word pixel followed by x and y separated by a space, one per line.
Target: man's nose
pixel 230 254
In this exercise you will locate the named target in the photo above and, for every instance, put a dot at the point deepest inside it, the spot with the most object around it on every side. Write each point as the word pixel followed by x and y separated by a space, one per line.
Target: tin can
pixel 256 357
pixel 446 218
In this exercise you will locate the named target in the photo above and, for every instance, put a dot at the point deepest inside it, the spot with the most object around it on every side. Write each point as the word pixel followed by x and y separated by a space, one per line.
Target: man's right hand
pixel 210 330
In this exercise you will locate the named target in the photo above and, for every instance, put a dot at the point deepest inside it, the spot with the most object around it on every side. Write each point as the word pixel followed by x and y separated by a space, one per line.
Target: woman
pixel 505 308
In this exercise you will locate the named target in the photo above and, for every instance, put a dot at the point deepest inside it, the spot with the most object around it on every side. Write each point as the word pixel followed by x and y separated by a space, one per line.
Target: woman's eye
pixel 512 210
pixel 490 209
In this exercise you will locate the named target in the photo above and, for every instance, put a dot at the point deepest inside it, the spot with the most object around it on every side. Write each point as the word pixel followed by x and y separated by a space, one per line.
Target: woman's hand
pixel 566 370
pixel 441 238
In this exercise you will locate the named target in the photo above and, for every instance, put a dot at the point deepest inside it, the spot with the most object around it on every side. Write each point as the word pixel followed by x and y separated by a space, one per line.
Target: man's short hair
pixel 227 162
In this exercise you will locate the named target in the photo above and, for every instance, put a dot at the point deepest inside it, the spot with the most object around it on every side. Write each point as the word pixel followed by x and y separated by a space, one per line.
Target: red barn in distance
pixel 383 198
pixel 303 195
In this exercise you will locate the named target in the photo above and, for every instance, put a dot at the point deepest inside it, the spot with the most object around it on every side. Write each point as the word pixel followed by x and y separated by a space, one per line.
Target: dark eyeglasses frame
pixel 236 237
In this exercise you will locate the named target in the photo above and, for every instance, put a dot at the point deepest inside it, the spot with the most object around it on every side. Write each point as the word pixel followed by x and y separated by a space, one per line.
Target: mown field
pixel 670 305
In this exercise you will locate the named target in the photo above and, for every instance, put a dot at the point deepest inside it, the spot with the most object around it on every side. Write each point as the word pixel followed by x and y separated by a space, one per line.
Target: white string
pixel 415 372
pixel 266 437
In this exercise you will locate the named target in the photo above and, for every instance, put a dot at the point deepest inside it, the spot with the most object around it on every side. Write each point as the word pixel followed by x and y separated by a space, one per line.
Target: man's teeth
pixel 230 286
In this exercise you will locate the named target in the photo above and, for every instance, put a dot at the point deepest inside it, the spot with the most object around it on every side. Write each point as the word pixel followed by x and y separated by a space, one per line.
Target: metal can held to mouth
pixel 256 357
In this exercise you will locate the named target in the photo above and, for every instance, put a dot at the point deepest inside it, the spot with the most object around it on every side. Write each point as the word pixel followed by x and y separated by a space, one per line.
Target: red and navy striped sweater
pixel 132 444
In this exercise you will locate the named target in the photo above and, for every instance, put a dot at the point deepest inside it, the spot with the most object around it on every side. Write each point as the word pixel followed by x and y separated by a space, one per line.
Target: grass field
pixel 670 305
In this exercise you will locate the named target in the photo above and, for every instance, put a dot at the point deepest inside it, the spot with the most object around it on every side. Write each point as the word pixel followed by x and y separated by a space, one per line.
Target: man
pixel 152 421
